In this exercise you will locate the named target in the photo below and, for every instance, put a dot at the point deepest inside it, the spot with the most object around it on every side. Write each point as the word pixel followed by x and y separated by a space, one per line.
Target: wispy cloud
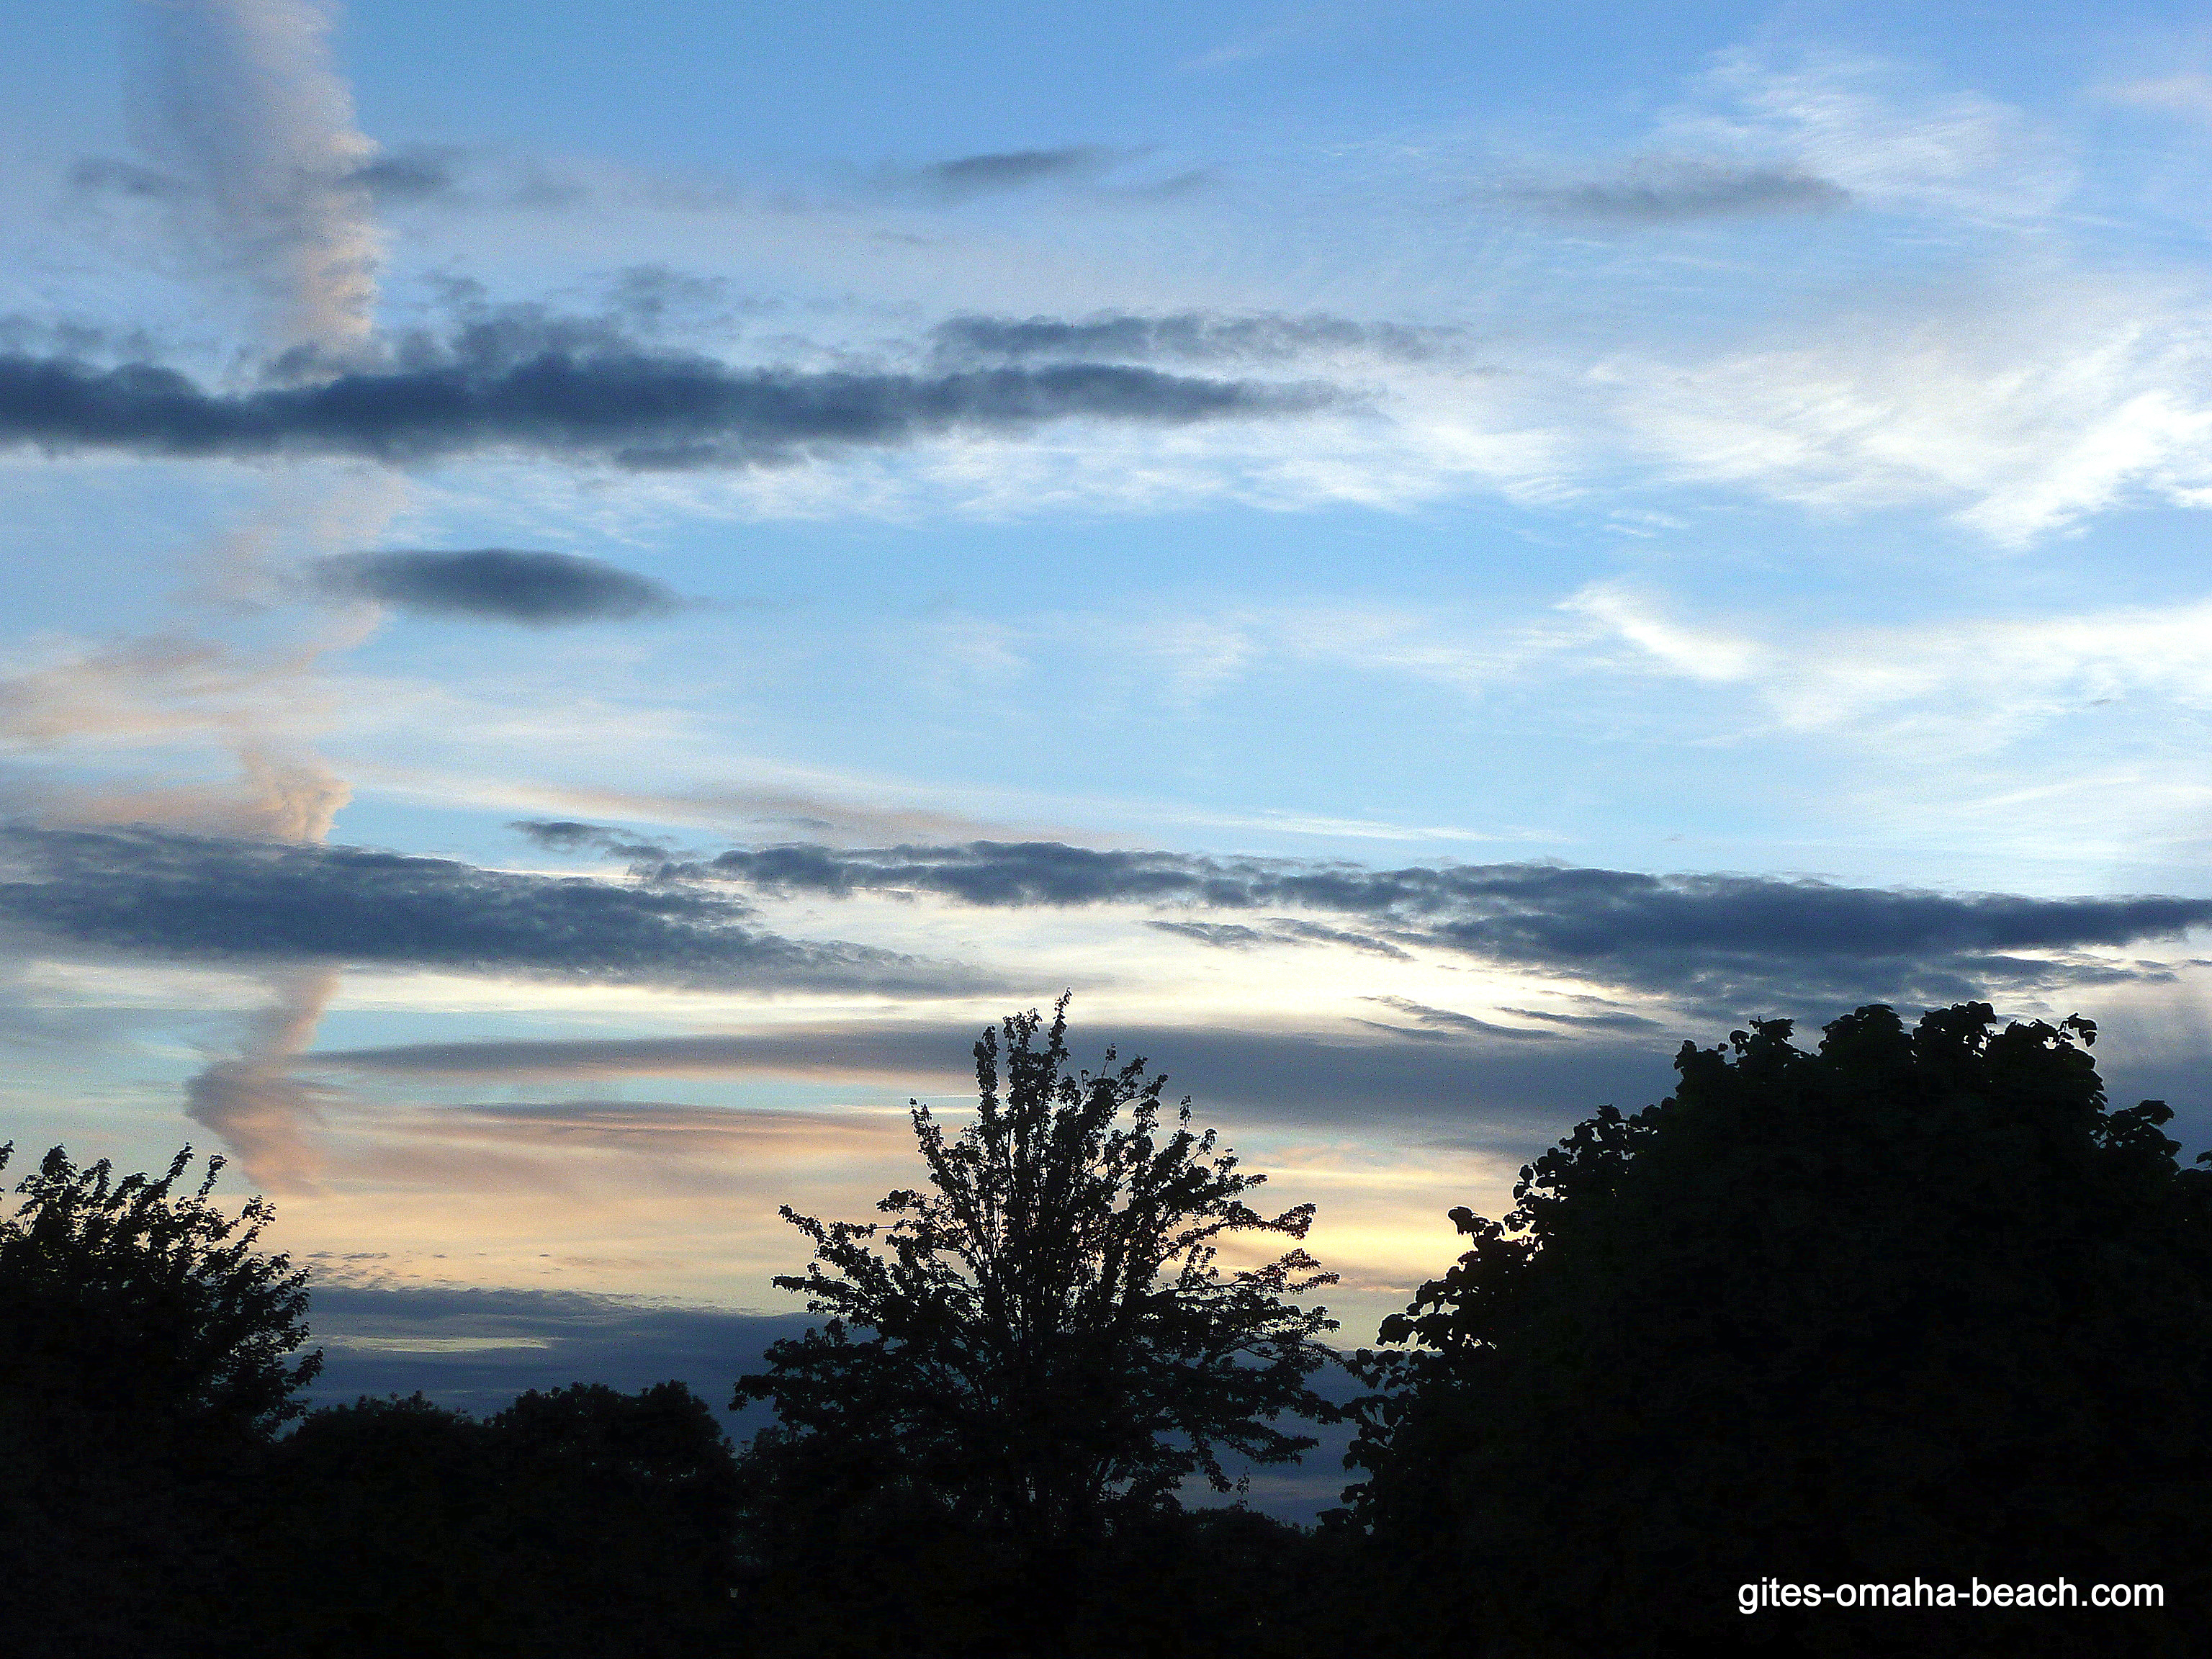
pixel 2020 409
pixel 1000 171
pixel 1676 189
pixel 1942 688
pixel 1875 129
pixel 1186 336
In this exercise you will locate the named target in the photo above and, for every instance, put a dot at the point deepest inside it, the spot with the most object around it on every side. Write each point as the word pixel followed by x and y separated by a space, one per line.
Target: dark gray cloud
pixel 204 898
pixel 1612 1021
pixel 1220 935
pixel 101 175
pixel 647 297
pixel 591 398
pixel 1278 930
pixel 568 836
pixel 1189 337
pixel 496 584
pixel 1727 943
pixel 1671 189
pixel 1000 171
pixel 416 173
pixel 1444 1025
pixel 1495 1094
pixel 420 172
pixel 474 1349
pixel 74 338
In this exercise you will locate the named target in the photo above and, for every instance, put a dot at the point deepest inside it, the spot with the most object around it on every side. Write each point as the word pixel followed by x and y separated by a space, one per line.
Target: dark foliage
pixel 1914 1305
pixel 1031 1360
pixel 584 1522
pixel 149 1347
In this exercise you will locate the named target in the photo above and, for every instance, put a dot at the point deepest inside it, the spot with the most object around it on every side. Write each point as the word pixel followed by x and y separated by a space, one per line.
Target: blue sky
pixel 1416 556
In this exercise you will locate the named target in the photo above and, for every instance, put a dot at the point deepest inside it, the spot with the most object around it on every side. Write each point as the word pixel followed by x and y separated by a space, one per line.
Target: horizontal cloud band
pixel 1551 908
pixel 1718 936
pixel 633 409
pixel 202 898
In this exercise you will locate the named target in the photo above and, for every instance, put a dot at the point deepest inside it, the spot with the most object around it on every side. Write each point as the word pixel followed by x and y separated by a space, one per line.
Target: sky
pixel 587 592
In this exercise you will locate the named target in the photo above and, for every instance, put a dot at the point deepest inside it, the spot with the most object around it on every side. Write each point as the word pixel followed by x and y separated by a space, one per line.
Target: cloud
pixel 1484 1092
pixel 2188 94
pixel 493 584
pixel 968 176
pixel 1279 930
pixel 1442 1025
pixel 474 1349
pixel 203 898
pixel 421 172
pixel 250 109
pixel 2022 406
pixel 134 689
pixel 1189 336
pixel 1728 942
pixel 629 408
pixel 1875 129
pixel 1674 190
pixel 254 1099
pixel 1605 1022
pixel 661 1128
pixel 104 175
pixel 1926 692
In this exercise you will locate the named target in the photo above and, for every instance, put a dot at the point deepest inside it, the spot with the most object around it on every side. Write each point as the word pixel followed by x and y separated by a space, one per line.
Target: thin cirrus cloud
pixel 1186 336
pixel 631 408
pixel 1675 190
pixel 1711 941
pixel 1480 1092
pixel 1001 171
pixel 414 172
pixel 495 584
pixel 1444 1025
pixel 419 173
pixel 104 175
pixel 243 902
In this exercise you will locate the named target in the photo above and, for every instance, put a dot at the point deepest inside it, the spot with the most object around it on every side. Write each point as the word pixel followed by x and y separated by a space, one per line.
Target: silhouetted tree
pixel 1915 1305
pixel 582 1522
pixel 1042 1342
pixel 147 1347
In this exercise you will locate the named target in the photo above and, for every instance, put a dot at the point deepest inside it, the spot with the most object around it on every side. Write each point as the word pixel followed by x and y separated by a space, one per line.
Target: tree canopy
pixel 149 1348
pixel 1047 1334
pixel 1914 1304
pixel 576 1523
pixel 133 1298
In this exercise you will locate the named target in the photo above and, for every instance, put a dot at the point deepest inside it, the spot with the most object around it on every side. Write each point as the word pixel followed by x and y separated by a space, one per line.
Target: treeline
pixel 1914 1306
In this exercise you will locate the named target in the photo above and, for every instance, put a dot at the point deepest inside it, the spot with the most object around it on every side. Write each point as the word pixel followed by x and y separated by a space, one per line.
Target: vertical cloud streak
pixel 252 111
pixel 254 1099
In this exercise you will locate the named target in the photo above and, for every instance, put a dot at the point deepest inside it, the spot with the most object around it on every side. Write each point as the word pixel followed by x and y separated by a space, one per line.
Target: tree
pixel 149 1349
pixel 1046 1338
pixel 1915 1305
pixel 129 1299
pixel 575 1524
